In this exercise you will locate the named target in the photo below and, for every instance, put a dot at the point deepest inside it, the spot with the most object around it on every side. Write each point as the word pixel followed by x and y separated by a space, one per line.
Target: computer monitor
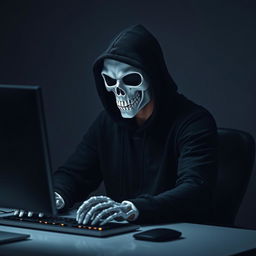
pixel 25 169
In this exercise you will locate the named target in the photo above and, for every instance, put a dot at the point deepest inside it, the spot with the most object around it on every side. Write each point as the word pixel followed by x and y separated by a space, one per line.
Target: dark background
pixel 209 47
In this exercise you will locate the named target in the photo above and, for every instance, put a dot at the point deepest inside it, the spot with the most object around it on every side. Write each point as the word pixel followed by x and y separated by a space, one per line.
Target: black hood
pixel 136 46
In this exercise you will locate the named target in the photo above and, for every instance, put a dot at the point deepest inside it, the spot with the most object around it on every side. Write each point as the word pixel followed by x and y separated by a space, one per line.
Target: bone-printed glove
pixel 102 209
pixel 59 205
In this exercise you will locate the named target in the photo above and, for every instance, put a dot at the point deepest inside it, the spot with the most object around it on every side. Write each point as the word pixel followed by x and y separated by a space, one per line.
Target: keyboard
pixel 68 225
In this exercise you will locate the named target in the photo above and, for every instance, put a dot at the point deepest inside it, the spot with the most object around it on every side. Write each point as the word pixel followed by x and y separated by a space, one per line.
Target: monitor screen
pixel 25 171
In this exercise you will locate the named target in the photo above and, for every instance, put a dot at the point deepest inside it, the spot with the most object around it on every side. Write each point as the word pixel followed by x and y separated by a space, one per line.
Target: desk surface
pixel 198 240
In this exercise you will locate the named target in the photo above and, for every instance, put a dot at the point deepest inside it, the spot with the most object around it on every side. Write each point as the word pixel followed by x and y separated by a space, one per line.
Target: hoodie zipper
pixel 122 173
pixel 142 165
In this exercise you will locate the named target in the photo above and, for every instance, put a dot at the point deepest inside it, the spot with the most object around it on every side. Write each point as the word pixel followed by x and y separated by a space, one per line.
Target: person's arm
pixel 80 174
pixel 191 198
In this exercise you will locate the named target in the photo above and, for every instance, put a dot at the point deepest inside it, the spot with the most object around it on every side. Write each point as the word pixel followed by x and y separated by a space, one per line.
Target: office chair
pixel 236 157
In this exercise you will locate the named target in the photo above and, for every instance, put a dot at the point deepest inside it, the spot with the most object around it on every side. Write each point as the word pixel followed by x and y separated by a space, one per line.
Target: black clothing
pixel 167 167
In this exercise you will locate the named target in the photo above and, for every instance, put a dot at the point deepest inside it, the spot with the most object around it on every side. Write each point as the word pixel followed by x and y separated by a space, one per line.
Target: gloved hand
pixel 102 209
pixel 59 205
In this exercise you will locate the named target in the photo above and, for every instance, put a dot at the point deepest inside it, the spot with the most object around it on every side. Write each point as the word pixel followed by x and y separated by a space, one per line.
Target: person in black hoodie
pixel 158 164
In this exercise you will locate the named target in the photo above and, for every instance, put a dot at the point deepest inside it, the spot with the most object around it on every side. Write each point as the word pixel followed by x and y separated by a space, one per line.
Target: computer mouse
pixel 158 234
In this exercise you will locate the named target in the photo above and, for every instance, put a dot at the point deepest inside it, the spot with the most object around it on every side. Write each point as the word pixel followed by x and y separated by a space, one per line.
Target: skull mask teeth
pixel 130 103
pixel 130 87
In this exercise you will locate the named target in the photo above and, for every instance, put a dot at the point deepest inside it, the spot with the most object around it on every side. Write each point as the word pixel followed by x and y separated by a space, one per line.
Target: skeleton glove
pixel 102 209
pixel 60 203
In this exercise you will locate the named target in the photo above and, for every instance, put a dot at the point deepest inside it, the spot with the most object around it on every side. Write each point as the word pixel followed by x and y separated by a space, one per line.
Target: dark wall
pixel 209 47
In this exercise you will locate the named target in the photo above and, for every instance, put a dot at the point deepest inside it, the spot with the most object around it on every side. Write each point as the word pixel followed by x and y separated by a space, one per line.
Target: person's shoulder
pixel 103 117
pixel 99 125
pixel 103 121
pixel 189 112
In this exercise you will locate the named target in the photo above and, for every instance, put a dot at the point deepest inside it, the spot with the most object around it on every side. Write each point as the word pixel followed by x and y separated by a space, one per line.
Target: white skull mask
pixel 129 85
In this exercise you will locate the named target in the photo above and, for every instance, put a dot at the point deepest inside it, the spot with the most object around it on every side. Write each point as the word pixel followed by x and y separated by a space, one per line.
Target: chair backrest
pixel 236 157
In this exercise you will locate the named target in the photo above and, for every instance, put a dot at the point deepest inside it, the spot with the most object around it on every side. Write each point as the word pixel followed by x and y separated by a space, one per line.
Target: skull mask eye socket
pixel 133 79
pixel 108 80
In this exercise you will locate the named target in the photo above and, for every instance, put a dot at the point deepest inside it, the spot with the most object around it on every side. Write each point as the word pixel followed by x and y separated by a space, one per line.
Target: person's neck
pixel 145 113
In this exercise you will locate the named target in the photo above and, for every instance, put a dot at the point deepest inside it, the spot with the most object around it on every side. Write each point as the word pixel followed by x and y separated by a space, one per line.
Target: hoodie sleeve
pixel 191 198
pixel 80 174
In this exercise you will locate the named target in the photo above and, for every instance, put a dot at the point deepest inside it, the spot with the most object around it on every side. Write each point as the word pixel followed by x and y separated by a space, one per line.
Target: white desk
pixel 197 240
